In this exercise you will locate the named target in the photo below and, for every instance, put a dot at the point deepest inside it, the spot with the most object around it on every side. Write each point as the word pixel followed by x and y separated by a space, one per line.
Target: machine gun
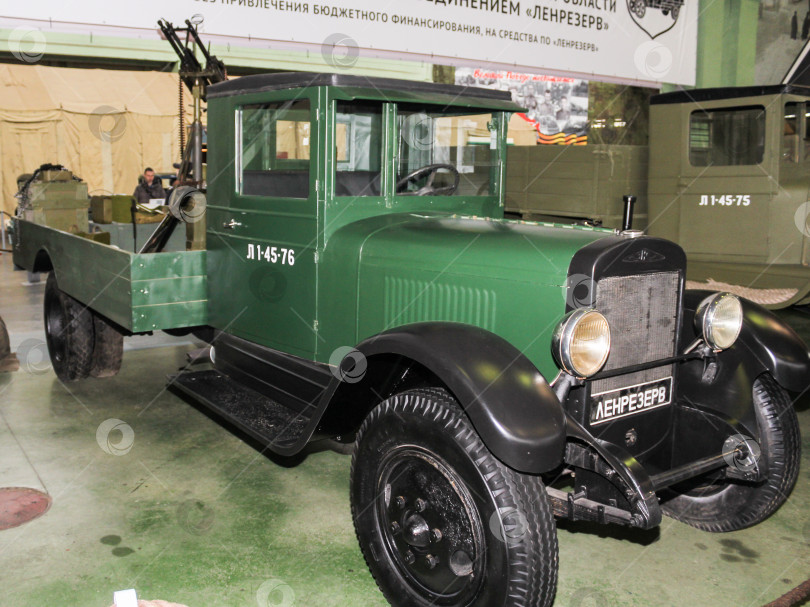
pixel 187 199
pixel 197 78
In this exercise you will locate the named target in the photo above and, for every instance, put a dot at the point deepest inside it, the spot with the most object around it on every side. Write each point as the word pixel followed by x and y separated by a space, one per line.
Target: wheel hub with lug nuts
pixel 433 532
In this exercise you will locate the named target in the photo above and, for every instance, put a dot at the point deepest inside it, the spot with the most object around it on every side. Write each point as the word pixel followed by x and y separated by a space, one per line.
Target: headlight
pixel 719 318
pixel 581 342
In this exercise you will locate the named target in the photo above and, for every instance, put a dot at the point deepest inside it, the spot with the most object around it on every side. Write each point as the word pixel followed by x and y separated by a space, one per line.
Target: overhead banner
pixel 640 41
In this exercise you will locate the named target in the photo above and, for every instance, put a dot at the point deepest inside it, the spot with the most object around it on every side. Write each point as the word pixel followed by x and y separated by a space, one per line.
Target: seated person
pixel 148 187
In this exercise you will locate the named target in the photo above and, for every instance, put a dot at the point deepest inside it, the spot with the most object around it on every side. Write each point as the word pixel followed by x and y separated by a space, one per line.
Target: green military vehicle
pixel 728 181
pixel 361 284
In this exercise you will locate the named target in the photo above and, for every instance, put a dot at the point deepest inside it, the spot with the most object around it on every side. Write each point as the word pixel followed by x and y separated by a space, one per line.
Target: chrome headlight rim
pixel 563 337
pixel 707 321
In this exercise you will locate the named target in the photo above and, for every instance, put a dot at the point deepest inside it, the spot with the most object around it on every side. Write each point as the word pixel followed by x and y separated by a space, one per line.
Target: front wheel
pixel 724 505
pixel 440 521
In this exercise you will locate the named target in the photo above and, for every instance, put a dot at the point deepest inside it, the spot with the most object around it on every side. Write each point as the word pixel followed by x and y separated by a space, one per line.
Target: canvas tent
pixel 104 125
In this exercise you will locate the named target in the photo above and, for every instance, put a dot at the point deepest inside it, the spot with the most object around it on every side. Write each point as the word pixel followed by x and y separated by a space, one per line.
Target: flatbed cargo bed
pixel 140 292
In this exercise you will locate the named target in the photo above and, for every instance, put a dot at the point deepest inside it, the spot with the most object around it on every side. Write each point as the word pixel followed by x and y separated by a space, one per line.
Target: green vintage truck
pixel 361 284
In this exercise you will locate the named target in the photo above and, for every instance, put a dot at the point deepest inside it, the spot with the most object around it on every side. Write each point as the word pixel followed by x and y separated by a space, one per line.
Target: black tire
pixel 69 333
pixel 496 544
pixel 5 343
pixel 108 348
pixel 727 505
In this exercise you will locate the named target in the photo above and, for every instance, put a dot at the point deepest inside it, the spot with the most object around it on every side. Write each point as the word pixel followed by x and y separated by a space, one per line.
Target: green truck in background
pixel 726 178
pixel 360 284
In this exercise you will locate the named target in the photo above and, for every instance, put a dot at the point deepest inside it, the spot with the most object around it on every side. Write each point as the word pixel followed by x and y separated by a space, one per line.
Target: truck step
pixel 259 416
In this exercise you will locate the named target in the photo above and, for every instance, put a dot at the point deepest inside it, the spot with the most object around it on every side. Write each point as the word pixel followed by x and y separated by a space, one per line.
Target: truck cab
pixel 361 286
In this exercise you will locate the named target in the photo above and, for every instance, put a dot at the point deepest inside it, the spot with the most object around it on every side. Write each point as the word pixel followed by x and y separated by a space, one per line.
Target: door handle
pixel 230 225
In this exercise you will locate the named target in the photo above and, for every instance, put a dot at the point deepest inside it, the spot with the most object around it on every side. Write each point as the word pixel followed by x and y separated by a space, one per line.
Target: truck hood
pixel 502 249
pixel 507 277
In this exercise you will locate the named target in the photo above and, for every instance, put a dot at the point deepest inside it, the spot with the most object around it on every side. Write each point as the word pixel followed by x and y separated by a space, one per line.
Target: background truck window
pixel 727 137
pixel 795 142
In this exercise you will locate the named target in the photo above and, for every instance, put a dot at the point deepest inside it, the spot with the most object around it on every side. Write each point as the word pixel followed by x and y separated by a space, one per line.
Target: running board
pixel 264 419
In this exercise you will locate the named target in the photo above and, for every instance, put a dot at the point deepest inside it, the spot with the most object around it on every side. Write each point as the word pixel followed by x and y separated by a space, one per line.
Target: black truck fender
pixel 507 400
pixel 765 343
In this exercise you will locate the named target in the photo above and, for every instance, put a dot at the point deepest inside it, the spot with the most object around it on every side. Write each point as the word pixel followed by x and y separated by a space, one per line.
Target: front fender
pixel 765 343
pixel 508 401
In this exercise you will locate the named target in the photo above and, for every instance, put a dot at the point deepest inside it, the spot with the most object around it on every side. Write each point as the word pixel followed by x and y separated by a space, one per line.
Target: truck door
pixel 262 241
pixel 726 184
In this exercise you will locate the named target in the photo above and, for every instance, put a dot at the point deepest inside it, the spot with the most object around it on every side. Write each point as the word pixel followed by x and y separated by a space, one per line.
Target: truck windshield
pixel 459 142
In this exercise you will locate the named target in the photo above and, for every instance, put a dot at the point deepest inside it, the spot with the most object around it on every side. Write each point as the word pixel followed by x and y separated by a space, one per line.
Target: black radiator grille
pixel 642 312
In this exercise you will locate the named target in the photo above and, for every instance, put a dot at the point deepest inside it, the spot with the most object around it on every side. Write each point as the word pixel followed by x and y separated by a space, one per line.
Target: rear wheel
pixel 441 522
pixel 69 333
pixel 108 348
pixel 719 504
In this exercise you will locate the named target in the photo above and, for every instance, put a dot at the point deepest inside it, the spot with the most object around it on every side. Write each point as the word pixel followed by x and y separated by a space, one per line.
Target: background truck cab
pixel 725 176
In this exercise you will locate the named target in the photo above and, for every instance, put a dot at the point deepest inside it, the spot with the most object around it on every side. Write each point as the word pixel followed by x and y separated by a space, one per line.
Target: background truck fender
pixel 508 401
pixel 765 343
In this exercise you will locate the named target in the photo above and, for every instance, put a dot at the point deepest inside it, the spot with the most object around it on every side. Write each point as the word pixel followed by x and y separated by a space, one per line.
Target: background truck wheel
pixel 726 505
pixel 439 519
pixel 108 348
pixel 69 333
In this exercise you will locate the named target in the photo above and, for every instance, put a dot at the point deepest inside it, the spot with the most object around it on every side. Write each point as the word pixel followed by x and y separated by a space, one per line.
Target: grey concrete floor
pixel 192 514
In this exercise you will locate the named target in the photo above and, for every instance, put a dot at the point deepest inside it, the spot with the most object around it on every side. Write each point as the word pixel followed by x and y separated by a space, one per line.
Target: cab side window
pixel 358 142
pixel 727 137
pixel 273 149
